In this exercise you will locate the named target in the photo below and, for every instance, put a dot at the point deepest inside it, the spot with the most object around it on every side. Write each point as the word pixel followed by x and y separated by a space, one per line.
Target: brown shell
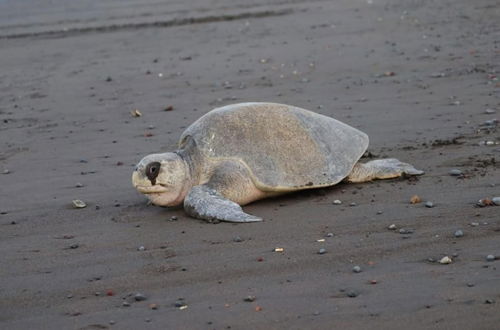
pixel 286 148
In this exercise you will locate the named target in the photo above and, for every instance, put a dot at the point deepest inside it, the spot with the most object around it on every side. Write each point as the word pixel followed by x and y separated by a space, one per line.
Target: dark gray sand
pixel 417 76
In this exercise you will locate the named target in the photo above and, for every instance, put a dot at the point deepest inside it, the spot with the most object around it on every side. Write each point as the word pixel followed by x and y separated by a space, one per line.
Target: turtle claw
pixel 205 203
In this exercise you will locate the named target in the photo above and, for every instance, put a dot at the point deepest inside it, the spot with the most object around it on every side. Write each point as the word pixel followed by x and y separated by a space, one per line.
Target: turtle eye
pixel 152 171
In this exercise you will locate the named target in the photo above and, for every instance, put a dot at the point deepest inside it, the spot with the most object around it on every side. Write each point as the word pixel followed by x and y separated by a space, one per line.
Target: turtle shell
pixel 285 148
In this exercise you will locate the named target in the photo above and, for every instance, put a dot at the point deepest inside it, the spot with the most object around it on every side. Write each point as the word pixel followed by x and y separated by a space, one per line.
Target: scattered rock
pixel 455 172
pixel 180 303
pixel 5 171
pixel 459 233
pixel 153 306
pixel 139 297
pixel 337 202
pixel 322 251
pixel 484 202
pixel 173 218
pixel 429 204
pixel 356 269
pixel 352 294
pixel 329 235
pixel 474 224
pixel 490 257
pixel 141 248
pixel 392 227
pixel 470 284
pixel 404 231
pixel 496 201
pixel 125 304
pixel 169 108
pixel 489 301
pixel 445 260
pixel 78 185
pixel 237 239
pixel 78 204
pixel 352 204
pixel 279 249
pixel 249 299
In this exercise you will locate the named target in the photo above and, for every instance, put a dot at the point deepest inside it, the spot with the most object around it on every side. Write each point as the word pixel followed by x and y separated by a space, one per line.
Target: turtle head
pixel 163 178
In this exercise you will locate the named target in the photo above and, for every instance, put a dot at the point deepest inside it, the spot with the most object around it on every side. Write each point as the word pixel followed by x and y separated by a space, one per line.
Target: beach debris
pixel 279 249
pixel 110 293
pixel 373 282
pixel 136 113
pixel 485 202
pixel 140 297
pixel 249 299
pixel 415 199
pixel 169 108
pixel 474 224
pixel 356 269
pixel 392 227
pixel 458 233
pixel 389 74
pixel 322 251
pixel 321 240
pixel 78 204
pixel 490 257
pixel 180 303
pixel 258 308
pixel 153 306
pixel 337 202
pixel 260 259
pixel 429 204
pixel 445 260
pixel 455 172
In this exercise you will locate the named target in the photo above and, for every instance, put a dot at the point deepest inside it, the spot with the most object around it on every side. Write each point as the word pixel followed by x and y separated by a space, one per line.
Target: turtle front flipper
pixel 381 169
pixel 205 203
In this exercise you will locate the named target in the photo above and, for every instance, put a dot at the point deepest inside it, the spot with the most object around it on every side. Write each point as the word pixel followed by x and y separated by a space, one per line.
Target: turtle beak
pixel 144 185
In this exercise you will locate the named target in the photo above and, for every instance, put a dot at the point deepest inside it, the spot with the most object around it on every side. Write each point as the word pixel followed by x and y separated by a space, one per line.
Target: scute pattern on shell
pixel 286 148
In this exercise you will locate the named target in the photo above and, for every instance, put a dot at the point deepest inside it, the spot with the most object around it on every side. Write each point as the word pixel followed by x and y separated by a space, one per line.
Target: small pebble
pixel 489 301
pixel 78 185
pixel 474 224
pixel 173 218
pixel 380 212
pixel 180 303
pixel 356 269
pixel 352 294
pixel 329 235
pixel 429 204
pixel 125 304
pixel 459 233
pixel 337 202
pixel 6 171
pixel 74 246
pixel 141 248
pixel 249 298
pixel 489 111
pixel 153 306
pixel 445 260
pixel 455 172
pixel 322 251
pixel 278 249
pixel 392 227
pixel 112 322
pixel 496 201
pixel 78 204
pixel 404 231
pixel 490 257
pixel 352 204
pixel 470 284
pixel 139 297
pixel 237 239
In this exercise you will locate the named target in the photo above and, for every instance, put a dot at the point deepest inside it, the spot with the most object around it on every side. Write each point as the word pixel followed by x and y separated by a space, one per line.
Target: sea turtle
pixel 240 153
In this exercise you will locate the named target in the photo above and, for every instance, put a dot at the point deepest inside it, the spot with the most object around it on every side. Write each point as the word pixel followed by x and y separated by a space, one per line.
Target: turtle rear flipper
pixel 205 203
pixel 381 169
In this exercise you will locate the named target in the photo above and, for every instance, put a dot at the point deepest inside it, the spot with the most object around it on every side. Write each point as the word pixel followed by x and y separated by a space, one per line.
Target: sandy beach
pixel 419 77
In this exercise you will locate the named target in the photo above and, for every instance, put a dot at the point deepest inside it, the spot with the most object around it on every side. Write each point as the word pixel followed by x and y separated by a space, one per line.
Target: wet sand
pixel 416 76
